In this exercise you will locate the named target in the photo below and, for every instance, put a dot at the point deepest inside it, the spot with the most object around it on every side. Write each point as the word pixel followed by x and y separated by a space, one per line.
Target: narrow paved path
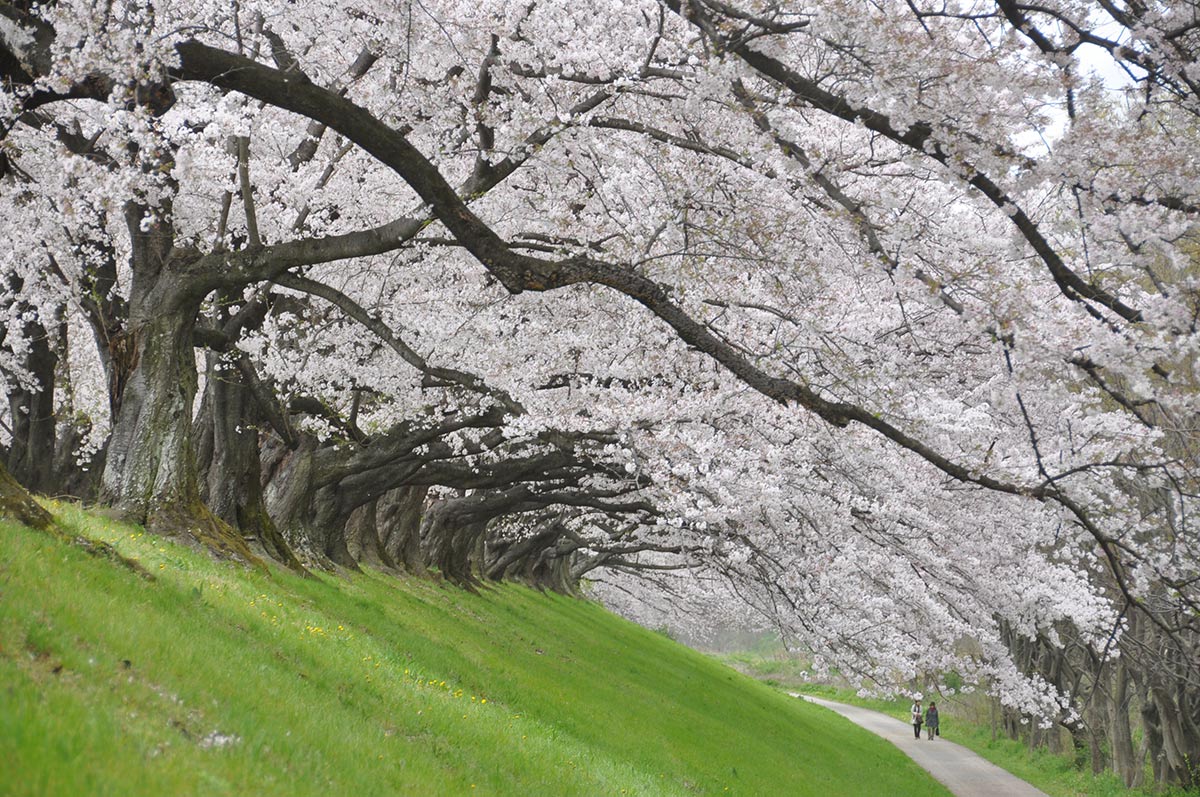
pixel 961 771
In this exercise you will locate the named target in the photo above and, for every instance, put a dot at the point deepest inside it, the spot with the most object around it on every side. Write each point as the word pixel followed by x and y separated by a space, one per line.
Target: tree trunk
pixel 362 538
pixel 1180 744
pixel 1122 739
pixel 234 476
pixel 305 511
pixel 150 470
pixel 71 477
pixel 1154 739
pixel 31 456
pixel 398 514
pixel 1098 722
pixel 202 424
pixel 450 531
pixel 150 467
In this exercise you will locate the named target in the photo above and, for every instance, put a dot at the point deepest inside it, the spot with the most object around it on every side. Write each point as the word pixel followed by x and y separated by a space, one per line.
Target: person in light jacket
pixel 917 718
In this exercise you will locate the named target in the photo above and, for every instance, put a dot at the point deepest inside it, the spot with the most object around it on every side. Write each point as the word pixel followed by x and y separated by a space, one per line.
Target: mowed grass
pixel 213 679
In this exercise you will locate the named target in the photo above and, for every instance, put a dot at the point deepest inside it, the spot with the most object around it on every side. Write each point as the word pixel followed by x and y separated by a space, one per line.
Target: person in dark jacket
pixel 931 722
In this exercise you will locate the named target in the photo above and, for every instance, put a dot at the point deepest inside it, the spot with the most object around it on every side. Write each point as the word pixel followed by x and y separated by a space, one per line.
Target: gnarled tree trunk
pixel 398 514
pixel 450 531
pixel 233 478
pixel 150 471
pixel 304 508
pixel 362 537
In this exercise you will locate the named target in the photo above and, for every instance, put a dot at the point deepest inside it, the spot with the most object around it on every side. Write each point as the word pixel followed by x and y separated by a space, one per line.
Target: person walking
pixel 917 718
pixel 931 721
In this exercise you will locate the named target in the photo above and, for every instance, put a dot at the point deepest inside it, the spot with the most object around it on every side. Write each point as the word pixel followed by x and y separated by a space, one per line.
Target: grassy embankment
pixel 964 719
pixel 207 678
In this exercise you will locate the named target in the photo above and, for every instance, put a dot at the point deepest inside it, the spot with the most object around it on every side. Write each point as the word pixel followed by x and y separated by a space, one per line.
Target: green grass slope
pixel 210 679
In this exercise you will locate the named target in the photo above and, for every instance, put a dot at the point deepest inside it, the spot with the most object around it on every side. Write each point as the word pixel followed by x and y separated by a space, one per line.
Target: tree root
pixel 16 503
pixel 192 522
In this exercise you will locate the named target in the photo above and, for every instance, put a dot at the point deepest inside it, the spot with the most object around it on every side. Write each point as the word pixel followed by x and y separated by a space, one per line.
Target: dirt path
pixel 961 771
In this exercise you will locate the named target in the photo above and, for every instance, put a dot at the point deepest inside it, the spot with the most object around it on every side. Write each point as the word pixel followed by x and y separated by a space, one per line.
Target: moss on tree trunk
pixel 17 504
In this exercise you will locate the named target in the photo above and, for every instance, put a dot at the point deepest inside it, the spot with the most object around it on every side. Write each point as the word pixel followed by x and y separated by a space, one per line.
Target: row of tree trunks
pixel 1152 680
pixel 43 448
pixel 203 479
pixel 1172 721
pixel 544 559
pixel 403 529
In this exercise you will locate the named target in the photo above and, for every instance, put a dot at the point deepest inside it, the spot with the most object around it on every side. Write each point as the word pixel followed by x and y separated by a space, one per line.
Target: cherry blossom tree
pixel 882 315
